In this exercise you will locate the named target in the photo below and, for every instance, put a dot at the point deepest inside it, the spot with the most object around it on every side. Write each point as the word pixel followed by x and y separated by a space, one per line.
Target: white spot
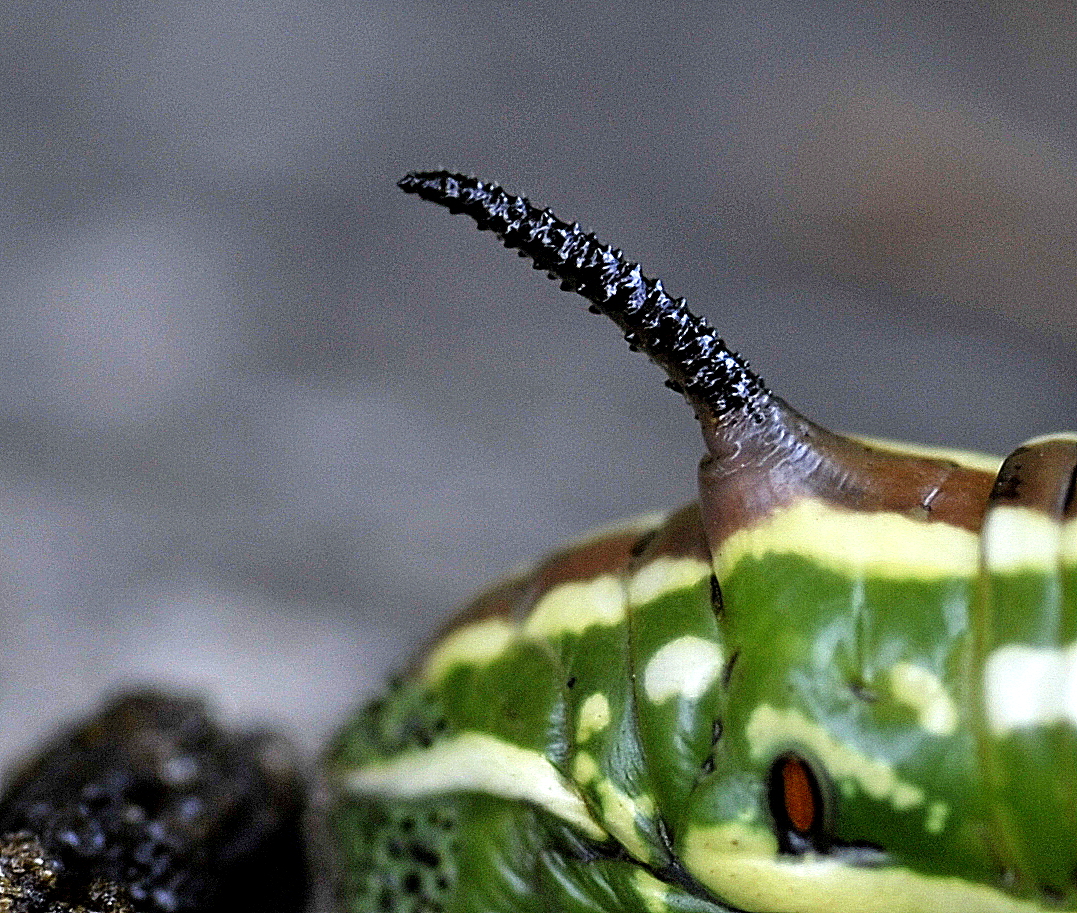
pixel 572 608
pixel 479 763
pixel 878 544
pixel 1030 686
pixel 594 717
pixel 771 729
pixel 684 667
pixel 923 691
pixel 665 575
pixel 1021 539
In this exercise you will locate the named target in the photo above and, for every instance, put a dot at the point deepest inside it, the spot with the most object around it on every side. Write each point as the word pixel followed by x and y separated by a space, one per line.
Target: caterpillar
pixel 843 681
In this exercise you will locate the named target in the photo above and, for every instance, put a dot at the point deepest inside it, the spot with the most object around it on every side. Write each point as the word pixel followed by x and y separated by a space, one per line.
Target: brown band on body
pixel 785 458
pixel 513 599
pixel 681 536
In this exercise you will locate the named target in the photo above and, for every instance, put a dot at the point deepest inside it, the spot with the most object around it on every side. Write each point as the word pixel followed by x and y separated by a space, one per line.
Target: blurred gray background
pixel 264 419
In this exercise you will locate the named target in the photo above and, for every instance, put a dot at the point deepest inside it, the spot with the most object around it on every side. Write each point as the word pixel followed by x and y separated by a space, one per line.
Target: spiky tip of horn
pixel 714 379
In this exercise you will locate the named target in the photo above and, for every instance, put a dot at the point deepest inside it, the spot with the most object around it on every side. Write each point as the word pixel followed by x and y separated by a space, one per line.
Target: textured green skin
pixel 1032 774
pixel 805 638
pixel 518 858
pixel 802 647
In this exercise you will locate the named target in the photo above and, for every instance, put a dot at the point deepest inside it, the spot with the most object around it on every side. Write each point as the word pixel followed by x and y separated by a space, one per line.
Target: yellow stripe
pixel 741 865
pixel 477 763
pixel 572 608
pixel 569 608
pixel 857 543
pixel 476 644
pixel 970 459
pixel 772 728
pixel 664 575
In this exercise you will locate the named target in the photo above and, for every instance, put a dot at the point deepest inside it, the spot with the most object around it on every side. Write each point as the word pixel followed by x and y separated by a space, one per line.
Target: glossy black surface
pixel 150 807
pixel 687 347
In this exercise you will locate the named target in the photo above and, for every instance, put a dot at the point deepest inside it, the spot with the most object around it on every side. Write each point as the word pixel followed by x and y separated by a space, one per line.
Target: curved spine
pixel 713 378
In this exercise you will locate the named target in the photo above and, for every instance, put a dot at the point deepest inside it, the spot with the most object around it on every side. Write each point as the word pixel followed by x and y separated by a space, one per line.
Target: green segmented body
pixel 614 730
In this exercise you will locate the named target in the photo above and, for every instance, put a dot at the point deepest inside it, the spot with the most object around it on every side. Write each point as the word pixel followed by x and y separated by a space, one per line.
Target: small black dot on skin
pixel 1052 895
pixel 717 603
pixel 640 545
pixel 727 673
pixel 863 693
pixel 424 856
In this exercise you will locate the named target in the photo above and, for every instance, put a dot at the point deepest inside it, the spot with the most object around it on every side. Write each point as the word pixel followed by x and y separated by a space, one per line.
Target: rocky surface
pixel 150 807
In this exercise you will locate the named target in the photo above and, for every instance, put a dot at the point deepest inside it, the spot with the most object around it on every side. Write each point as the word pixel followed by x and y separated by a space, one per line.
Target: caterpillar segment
pixel 843 680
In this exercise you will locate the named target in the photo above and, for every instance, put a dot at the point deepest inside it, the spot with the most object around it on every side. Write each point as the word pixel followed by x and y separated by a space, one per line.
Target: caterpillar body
pixel 844 680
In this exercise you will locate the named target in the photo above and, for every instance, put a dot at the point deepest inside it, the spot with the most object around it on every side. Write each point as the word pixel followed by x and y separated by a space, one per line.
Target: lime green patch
pixel 594 717
pixel 880 544
pixel 937 813
pixel 772 730
pixel 923 691
pixel 685 668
